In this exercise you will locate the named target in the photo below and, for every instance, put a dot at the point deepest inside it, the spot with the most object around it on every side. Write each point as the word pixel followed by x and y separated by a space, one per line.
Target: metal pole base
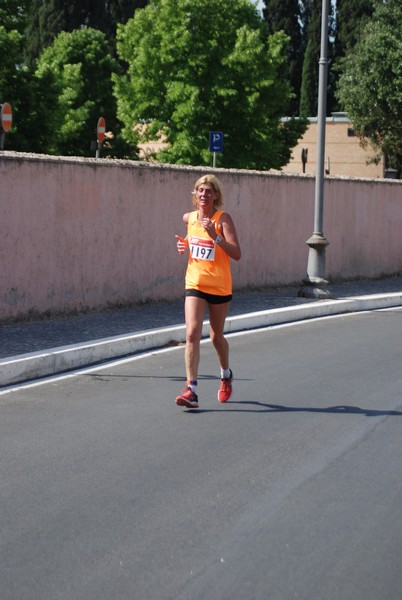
pixel 314 290
pixel 315 282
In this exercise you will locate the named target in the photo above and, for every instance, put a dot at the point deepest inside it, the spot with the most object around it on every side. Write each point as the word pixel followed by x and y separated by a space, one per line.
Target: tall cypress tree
pixel 352 16
pixel 286 15
pixel 13 14
pixel 309 86
pixel 47 18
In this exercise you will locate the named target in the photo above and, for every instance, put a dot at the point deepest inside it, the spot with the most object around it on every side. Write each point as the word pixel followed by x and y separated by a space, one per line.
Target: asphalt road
pixel 291 490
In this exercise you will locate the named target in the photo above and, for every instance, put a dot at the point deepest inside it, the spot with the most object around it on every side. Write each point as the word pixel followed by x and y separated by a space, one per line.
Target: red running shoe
pixel 187 398
pixel 225 390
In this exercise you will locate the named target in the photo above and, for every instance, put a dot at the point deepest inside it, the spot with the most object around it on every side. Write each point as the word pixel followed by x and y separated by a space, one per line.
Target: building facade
pixel 344 152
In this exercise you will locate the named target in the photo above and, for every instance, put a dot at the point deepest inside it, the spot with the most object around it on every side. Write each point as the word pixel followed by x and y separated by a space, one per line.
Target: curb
pixel 27 367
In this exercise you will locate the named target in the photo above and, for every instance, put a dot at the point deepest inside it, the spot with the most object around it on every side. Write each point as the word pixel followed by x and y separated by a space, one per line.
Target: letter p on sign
pixel 215 141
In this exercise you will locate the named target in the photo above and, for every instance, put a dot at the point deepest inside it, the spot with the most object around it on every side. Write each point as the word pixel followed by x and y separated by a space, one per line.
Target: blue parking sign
pixel 215 141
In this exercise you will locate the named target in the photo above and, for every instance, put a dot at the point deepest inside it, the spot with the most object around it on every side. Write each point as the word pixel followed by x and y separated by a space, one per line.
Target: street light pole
pixel 315 281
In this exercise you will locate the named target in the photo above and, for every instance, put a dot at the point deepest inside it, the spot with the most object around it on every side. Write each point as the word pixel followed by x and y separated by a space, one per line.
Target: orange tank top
pixel 208 268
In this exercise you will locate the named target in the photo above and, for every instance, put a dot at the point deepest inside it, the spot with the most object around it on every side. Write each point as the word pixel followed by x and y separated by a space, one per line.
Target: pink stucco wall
pixel 80 234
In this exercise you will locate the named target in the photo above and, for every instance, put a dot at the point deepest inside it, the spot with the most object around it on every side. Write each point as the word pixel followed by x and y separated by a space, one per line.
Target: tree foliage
pixel 370 85
pixel 301 20
pixel 287 16
pixel 310 73
pixel 13 14
pixel 80 67
pixel 218 72
pixel 48 18
pixel 195 67
pixel 29 97
pixel 309 85
pixel 352 16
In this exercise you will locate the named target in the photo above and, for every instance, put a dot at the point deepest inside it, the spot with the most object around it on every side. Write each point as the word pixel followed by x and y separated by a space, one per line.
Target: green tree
pixel 370 85
pixel 29 97
pixel 312 28
pixel 286 15
pixel 309 85
pixel 10 48
pixel 81 67
pixel 48 18
pixel 196 66
pixel 122 10
pixel 352 16
pixel 13 14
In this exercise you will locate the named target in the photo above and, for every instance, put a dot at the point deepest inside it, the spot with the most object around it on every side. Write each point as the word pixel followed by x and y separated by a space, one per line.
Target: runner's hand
pixel 181 244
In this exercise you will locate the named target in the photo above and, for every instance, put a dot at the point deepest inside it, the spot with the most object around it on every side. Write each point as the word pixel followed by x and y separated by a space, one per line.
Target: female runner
pixel 211 241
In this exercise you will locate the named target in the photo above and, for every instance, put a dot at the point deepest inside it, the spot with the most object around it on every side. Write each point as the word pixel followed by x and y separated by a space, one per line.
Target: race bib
pixel 202 248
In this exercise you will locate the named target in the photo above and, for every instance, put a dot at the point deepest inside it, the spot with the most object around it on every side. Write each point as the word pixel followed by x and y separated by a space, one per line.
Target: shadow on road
pixel 273 408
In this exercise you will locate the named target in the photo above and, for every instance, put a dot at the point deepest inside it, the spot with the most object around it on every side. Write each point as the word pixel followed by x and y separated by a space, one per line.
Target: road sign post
pixel 304 158
pixel 6 121
pixel 100 135
pixel 215 144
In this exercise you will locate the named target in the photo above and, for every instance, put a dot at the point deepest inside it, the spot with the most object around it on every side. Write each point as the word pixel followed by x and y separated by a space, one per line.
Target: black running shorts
pixel 210 298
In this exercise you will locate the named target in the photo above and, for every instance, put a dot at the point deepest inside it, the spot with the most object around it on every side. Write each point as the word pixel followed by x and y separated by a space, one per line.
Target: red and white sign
pixel 6 117
pixel 101 129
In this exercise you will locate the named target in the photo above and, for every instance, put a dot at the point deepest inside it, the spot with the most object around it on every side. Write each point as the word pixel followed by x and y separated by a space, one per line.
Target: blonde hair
pixel 214 181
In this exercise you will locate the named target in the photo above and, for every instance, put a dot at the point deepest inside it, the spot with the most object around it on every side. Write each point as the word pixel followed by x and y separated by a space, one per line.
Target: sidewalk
pixel 41 348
